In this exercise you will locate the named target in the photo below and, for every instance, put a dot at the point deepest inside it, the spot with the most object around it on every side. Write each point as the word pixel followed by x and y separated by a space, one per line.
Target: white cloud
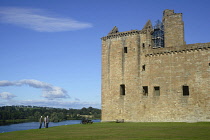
pixel 7 95
pixel 48 91
pixel 38 20
pixel 52 103
pixel 54 92
pixel 6 83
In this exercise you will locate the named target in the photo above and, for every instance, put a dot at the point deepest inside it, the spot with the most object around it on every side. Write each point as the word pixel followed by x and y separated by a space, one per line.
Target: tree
pixel 37 115
pixel 54 117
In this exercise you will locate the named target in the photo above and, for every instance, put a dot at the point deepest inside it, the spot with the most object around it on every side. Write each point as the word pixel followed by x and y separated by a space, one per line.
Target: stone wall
pixel 170 70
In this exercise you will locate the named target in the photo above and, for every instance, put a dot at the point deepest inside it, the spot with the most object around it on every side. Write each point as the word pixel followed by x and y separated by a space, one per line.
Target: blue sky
pixel 50 50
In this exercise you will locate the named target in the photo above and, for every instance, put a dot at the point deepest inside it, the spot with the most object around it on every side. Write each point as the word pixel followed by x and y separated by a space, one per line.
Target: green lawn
pixel 117 131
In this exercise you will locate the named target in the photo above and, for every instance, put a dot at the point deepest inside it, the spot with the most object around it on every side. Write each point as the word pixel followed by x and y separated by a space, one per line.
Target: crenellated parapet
pixel 180 49
pixel 121 34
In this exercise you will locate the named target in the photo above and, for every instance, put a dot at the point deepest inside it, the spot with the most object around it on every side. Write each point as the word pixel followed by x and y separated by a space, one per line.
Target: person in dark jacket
pixel 47 121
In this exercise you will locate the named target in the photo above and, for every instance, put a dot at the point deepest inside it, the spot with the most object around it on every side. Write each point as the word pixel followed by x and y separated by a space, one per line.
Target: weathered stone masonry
pixel 143 83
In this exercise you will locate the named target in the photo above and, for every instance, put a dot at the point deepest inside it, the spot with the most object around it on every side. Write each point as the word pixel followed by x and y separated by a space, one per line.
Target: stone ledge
pixel 181 49
pixel 121 34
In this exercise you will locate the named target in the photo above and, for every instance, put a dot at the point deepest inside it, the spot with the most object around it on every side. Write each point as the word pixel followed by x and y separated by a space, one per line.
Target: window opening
pixel 122 89
pixel 143 45
pixel 157 91
pixel 143 67
pixel 145 90
pixel 185 90
pixel 125 50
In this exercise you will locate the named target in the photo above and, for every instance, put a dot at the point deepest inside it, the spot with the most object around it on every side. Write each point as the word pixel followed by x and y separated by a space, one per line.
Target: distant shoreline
pixel 16 121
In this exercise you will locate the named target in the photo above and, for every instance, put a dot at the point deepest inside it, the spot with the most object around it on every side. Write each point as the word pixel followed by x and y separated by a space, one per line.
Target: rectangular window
pixel 145 90
pixel 185 90
pixel 143 67
pixel 125 50
pixel 143 45
pixel 122 89
pixel 157 91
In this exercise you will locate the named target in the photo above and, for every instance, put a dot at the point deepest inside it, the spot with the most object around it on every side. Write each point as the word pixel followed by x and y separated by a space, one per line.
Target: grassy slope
pixel 117 131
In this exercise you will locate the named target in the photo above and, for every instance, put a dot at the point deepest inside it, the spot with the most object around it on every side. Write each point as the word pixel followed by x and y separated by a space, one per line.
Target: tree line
pixel 33 113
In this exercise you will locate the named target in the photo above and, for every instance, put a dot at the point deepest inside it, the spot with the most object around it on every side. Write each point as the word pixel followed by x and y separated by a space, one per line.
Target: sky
pixel 50 50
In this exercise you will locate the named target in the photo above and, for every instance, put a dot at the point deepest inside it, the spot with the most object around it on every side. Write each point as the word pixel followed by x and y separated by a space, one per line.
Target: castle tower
pixel 120 63
pixel 173 29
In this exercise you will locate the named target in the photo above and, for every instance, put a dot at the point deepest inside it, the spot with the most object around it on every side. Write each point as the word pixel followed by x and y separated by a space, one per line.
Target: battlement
pixel 168 33
pixel 168 12
pixel 121 34
pixel 179 49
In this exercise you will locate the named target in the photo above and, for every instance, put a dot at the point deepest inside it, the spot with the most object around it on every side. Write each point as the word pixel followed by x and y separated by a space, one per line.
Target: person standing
pixel 40 121
pixel 47 121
